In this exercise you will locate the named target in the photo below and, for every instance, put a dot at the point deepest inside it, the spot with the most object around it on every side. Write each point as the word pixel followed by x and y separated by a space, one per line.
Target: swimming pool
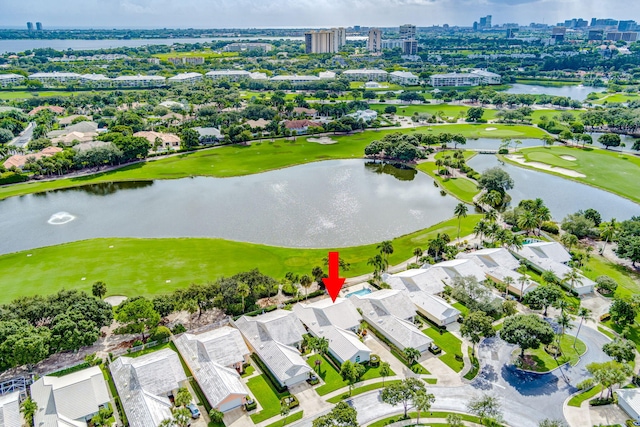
pixel 363 291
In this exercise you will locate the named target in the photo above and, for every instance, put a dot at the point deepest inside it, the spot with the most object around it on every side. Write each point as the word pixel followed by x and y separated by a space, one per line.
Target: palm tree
pixel 321 345
pixel 508 281
pixel 216 416
pixel 549 277
pixel 491 216
pixel 386 249
pixel 305 282
pixel 527 221
pixel 584 314
pixel 569 240
pixel 384 371
pixel 608 232
pixel 523 280
pixel 480 229
pixel 461 212
pixel 378 264
pixel 422 402
pixel 411 354
pixel 28 409
pixel 418 252
pixel 244 291
pixel 564 320
pixel 573 276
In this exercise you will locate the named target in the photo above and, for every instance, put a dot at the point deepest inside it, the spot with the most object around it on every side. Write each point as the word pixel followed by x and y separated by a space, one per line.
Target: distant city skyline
pixel 301 13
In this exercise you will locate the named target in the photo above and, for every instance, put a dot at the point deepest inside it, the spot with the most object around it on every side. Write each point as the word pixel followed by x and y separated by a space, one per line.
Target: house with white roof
pixel 71 400
pixel 96 80
pixel 629 401
pixel 327 75
pixel 337 322
pixel 295 79
pixel 275 338
pixel 145 383
pixel 366 115
pixel 367 75
pixel 214 359
pixel 498 264
pixel 552 256
pixel 10 79
pixel 185 78
pixel 10 410
pixel 391 313
pixel 434 308
pixel 405 78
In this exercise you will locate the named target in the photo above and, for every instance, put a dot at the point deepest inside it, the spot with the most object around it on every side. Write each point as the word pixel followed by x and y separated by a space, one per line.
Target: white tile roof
pixel 10 76
pixel 387 302
pixel 94 77
pixel 228 73
pixel 54 74
pixel 344 344
pixel 143 384
pixel 546 250
pixel 325 312
pixel 10 410
pixel 69 399
pixel 202 354
pixel 434 305
pixel 631 397
pixel 272 335
pixel 404 74
pixel 366 71
pixel 295 78
pixel 139 78
pixel 185 76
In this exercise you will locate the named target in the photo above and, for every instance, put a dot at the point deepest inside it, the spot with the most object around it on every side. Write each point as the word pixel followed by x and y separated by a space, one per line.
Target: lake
pixel 20 45
pixel 577 92
pixel 562 196
pixel 321 205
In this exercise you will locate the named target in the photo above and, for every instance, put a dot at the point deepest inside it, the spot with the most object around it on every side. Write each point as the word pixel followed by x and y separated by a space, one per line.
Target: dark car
pixel 195 412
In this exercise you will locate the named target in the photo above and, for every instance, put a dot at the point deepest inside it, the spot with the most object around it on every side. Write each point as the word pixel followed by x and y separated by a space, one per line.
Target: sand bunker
pixel 490 129
pixel 324 140
pixel 569 158
pixel 115 300
pixel 544 166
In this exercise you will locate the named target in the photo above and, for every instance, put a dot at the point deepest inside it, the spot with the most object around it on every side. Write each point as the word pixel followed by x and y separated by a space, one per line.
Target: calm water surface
pixel 579 93
pixel 561 196
pixel 325 204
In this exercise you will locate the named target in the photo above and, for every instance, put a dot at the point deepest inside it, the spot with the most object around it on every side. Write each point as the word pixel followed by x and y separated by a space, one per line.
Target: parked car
pixel 435 349
pixel 195 412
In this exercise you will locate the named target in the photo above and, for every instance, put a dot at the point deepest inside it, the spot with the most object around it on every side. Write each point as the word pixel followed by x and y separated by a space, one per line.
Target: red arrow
pixel 333 283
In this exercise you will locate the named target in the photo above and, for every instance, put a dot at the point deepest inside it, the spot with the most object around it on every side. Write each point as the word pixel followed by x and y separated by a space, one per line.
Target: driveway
pixel 527 398
pixel 24 137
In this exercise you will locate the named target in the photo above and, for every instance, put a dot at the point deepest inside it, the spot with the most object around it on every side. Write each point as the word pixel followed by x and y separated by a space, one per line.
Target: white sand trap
pixel 568 157
pixel 115 300
pixel 324 140
pixel 490 129
pixel 544 166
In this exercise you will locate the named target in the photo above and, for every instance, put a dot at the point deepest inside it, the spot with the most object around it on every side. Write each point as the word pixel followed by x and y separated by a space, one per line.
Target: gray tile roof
pixel 144 383
pixel 325 312
pixel 68 400
pixel 10 410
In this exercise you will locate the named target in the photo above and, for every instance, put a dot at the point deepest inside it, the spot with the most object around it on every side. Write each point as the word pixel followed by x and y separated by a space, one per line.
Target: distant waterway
pixel 327 204
pixel 20 45
pixel 577 92
pixel 562 196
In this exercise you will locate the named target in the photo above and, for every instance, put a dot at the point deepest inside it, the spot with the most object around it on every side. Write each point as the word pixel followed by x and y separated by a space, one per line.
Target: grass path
pixel 157 266
pixel 612 171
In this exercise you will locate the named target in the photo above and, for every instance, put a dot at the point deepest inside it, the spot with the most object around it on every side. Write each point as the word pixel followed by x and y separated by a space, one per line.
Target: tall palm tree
pixel 244 291
pixel 422 402
pixel 584 314
pixel 386 249
pixel 418 252
pixel 377 262
pixel 461 212
pixel 608 232
pixel 564 320
pixel 527 221
pixel 480 229
pixel 569 240
pixel 491 216
pixel 523 280
pixel 305 282
pixel 573 277
pixel 549 277
pixel 508 281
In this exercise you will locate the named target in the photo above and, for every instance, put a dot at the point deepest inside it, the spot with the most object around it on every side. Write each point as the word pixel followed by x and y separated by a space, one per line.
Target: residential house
pixel 86 127
pixel 145 384
pixel 629 401
pixel 391 312
pixel 300 126
pixel 337 322
pixel 404 78
pixel 53 108
pixel 70 400
pixel 19 160
pixel 185 78
pixel 552 256
pixel 487 77
pixel 167 141
pixel 209 135
pixel 498 264
pixel 73 137
pixel 327 75
pixel 304 112
pixel 68 121
pixel 366 115
pixel 10 410
pixel 275 338
pixel 10 79
pixel 215 359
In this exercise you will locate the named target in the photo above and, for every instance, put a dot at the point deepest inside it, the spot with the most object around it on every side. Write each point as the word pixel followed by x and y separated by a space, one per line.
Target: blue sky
pixel 300 13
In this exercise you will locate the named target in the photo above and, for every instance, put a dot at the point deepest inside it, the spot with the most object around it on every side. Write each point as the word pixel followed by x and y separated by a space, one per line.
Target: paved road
pixel 527 398
pixel 22 140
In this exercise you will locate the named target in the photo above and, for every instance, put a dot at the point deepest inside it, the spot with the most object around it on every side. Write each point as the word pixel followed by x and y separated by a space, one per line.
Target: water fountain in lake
pixel 61 218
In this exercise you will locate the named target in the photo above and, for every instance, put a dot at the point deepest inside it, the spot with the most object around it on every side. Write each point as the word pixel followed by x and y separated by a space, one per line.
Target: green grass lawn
pixel 268 398
pixel 461 188
pixel 545 362
pixel 604 169
pixel 332 379
pixel 145 265
pixel 248 371
pixel 428 414
pixel 463 309
pixel 290 419
pixel 615 98
pixel 628 281
pixel 585 395
pixel 475 365
pixel 32 94
pixel 450 344
pixel 363 389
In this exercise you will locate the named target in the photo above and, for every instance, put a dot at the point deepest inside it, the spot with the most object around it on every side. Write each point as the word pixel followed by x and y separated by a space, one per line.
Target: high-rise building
pixel 325 41
pixel 627 26
pixel 596 35
pixel 410 47
pixel 30 26
pixel 407 31
pixel 39 26
pixel 485 22
pixel 374 44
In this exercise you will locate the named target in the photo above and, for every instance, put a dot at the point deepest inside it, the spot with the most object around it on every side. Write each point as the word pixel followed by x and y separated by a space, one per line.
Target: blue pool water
pixel 360 292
